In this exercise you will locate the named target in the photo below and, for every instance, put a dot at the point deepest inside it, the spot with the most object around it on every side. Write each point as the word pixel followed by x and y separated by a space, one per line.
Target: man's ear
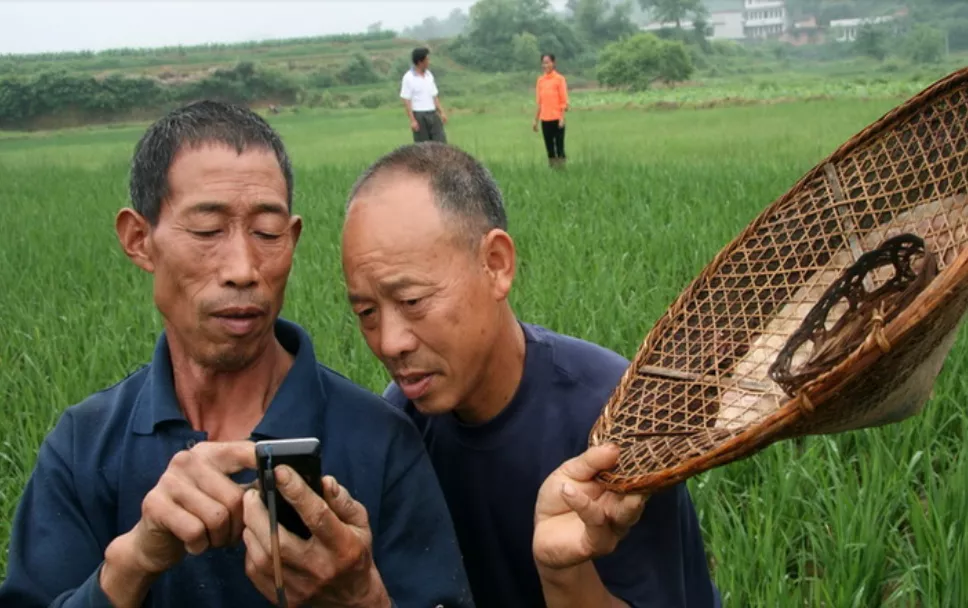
pixel 295 229
pixel 499 259
pixel 133 232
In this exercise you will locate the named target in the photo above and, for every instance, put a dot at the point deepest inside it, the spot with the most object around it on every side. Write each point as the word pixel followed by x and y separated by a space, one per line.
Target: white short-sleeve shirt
pixel 420 90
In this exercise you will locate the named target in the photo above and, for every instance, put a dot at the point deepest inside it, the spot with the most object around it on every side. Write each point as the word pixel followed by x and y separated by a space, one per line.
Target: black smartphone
pixel 303 455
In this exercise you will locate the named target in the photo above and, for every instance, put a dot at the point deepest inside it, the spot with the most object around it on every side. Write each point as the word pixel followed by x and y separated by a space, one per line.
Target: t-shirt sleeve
pixel 417 551
pixel 406 88
pixel 662 561
pixel 54 556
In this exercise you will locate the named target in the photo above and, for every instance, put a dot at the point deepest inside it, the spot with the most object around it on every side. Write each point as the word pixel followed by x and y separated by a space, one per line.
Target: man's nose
pixel 396 336
pixel 238 265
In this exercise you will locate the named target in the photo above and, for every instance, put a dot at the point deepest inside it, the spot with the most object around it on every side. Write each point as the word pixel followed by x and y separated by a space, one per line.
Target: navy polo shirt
pixel 104 455
pixel 491 473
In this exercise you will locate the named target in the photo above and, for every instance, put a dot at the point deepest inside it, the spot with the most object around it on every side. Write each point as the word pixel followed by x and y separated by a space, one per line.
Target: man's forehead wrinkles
pixel 358 293
pixel 398 275
pixel 398 282
pixel 209 206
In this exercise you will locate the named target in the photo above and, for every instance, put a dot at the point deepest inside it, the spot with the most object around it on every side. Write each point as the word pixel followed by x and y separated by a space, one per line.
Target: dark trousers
pixel 431 127
pixel 554 138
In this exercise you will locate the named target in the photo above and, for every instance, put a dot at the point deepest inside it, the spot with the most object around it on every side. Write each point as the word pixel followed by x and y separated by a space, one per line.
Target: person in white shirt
pixel 420 97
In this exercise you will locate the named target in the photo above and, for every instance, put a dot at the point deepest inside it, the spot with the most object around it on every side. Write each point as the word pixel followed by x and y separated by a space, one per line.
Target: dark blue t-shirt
pixel 104 455
pixel 491 473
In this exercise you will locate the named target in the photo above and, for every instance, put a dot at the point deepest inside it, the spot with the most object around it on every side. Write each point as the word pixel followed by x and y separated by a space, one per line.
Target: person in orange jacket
pixel 551 92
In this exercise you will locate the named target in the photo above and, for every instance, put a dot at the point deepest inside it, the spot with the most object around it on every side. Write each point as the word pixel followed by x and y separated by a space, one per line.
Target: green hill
pixel 183 63
pixel 52 90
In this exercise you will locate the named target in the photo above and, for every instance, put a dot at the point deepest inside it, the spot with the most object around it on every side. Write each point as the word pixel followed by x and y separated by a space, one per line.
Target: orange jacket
pixel 551 93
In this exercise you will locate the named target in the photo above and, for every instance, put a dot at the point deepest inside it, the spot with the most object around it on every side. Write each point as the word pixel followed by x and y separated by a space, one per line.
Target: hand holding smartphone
pixel 303 455
pixel 327 560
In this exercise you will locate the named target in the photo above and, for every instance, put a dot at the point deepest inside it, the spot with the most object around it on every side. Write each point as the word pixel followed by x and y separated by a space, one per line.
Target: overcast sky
pixel 31 26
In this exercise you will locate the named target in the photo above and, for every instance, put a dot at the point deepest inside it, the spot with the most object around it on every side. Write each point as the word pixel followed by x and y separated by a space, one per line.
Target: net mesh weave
pixel 701 377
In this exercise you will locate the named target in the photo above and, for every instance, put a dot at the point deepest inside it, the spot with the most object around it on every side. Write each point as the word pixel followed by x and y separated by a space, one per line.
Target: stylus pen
pixel 270 482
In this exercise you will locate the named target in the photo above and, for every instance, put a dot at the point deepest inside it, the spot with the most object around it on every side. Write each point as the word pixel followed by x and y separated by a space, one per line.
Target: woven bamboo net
pixel 802 281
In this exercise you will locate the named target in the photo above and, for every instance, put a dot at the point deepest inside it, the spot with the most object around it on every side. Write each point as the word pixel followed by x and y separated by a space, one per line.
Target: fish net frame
pixel 700 391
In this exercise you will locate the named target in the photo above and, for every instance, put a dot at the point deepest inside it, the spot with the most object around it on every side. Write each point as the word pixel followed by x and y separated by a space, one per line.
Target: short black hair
pixel 419 54
pixel 550 56
pixel 196 123
pixel 462 186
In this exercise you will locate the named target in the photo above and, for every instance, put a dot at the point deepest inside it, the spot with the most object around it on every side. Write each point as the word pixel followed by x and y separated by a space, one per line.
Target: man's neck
pixel 502 375
pixel 228 405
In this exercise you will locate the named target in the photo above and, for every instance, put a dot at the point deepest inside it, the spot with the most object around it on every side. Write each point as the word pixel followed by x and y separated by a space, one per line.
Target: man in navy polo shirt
pixel 138 495
pixel 505 407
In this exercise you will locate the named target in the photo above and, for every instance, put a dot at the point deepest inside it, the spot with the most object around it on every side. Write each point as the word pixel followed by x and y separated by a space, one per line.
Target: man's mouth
pixel 239 320
pixel 415 385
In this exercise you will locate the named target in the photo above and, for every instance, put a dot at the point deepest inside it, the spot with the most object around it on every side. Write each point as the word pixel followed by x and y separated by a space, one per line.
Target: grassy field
pixel 873 518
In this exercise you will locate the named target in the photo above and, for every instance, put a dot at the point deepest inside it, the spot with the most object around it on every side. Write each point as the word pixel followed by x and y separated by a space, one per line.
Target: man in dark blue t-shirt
pixel 138 495
pixel 503 404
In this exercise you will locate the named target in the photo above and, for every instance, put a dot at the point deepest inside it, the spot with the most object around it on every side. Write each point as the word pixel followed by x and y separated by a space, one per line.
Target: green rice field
pixel 870 518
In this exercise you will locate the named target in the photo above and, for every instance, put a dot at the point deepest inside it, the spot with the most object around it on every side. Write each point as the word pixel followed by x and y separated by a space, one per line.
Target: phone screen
pixel 303 455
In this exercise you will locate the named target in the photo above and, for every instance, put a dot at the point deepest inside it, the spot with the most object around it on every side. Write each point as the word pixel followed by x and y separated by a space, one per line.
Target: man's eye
pixel 204 232
pixel 412 302
pixel 268 236
pixel 365 312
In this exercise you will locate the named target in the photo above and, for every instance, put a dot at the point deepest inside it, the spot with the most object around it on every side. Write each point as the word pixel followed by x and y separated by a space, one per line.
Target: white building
pixel 740 19
pixel 765 18
pixel 725 25
pixel 845 30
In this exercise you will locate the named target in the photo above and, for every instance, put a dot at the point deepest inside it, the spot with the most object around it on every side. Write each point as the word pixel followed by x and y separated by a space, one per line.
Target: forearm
pixel 576 587
pixel 122 580
pixel 437 105
pixel 55 557
pixel 116 583
pixel 409 108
